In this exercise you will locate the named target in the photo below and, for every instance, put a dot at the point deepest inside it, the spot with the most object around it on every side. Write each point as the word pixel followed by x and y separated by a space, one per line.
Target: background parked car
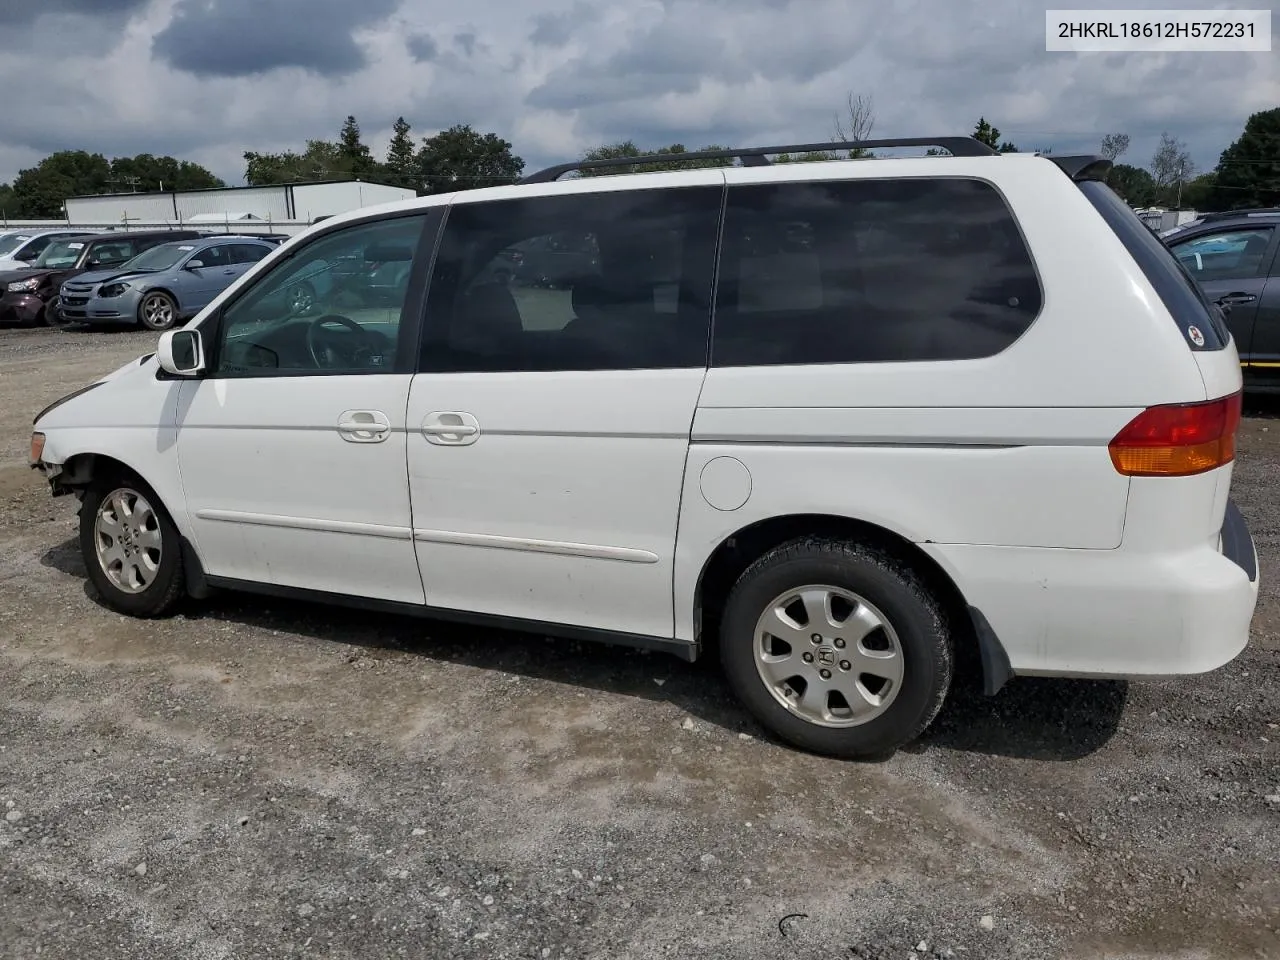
pixel 30 295
pixel 276 238
pixel 1233 258
pixel 162 286
pixel 27 289
pixel 21 248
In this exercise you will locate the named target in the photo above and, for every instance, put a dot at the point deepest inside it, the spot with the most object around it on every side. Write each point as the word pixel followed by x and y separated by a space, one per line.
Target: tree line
pixel 454 159
pixel 461 157
pixel 39 192
pixel 1247 173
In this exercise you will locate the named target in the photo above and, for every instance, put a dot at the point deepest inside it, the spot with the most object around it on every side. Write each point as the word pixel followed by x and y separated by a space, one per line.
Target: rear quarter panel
pixel 1009 450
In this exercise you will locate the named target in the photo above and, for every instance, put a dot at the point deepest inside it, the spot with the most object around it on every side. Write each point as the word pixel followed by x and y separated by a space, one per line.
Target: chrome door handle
pixel 364 426
pixel 452 428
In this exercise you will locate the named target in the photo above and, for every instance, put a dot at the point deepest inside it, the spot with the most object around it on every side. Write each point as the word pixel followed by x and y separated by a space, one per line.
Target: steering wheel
pixel 323 355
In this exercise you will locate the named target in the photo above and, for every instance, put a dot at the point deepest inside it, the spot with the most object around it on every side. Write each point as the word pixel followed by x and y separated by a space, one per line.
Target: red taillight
pixel 1178 440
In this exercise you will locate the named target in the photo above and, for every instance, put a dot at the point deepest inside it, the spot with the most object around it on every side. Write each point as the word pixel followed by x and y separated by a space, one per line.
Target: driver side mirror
pixel 194 265
pixel 180 353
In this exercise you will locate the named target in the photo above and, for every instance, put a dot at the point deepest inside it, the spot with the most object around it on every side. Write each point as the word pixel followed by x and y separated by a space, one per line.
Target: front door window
pixel 333 307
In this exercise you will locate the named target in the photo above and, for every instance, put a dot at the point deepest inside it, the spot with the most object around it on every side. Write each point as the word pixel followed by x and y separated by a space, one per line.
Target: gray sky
pixel 206 80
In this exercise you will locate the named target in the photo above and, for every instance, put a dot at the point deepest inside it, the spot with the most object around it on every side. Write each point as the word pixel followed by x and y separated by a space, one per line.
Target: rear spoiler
pixel 1083 167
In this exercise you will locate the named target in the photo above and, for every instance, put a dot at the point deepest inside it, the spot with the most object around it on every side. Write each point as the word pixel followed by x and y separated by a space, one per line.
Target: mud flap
pixel 996 671
pixel 198 587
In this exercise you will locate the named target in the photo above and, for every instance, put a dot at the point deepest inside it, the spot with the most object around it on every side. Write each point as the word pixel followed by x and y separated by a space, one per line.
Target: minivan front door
pixel 292 449
pixel 549 422
pixel 1263 370
pixel 1230 265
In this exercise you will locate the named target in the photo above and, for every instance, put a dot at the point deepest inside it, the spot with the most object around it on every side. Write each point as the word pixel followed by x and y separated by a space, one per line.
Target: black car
pixel 30 295
pixel 1233 257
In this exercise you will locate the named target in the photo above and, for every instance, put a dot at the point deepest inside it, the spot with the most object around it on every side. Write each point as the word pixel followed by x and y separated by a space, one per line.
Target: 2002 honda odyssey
pixel 856 420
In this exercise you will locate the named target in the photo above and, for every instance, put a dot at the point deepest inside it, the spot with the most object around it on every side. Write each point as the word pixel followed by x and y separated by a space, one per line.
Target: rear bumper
pixel 1114 613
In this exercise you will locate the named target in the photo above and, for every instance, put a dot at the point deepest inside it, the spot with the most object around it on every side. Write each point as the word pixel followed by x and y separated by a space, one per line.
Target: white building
pixel 292 203
pixel 1160 219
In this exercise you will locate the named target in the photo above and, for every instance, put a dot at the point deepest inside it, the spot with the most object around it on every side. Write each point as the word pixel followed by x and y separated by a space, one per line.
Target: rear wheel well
pixel 737 552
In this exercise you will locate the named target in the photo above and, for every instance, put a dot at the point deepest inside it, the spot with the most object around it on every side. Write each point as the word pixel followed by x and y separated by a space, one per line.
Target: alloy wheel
pixel 828 656
pixel 127 540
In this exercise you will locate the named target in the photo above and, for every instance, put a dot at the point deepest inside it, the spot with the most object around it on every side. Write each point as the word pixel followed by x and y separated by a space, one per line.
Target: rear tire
pixel 158 311
pixel 131 549
pixel 836 647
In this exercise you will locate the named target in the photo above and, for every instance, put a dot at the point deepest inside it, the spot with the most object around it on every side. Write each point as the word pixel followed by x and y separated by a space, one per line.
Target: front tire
pixel 51 315
pixel 157 311
pixel 837 647
pixel 131 549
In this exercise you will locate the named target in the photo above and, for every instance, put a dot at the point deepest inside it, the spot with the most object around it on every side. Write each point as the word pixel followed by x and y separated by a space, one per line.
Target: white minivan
pixel 853 423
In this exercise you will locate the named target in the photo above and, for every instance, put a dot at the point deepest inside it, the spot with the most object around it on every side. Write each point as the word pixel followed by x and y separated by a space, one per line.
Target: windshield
pixel 159 258
pixel 60 253
pixel 12 242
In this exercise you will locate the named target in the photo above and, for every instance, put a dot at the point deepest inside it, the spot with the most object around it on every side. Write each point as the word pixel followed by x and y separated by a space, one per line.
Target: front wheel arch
pixel 81 470
pixel 169 293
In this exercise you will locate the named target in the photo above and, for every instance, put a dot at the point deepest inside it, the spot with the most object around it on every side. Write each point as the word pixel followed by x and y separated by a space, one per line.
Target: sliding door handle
pixel 451 428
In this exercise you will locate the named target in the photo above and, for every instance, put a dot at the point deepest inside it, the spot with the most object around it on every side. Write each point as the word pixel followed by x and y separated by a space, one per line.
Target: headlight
pixel 21 285
pixel 113 290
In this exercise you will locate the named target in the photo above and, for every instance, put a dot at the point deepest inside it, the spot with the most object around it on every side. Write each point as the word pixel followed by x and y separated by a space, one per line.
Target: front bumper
pixel 24 308
pixel 79 308
pixel 1120 613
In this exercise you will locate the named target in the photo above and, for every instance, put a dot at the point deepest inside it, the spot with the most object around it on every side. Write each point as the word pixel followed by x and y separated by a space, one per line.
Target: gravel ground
pixel 261 779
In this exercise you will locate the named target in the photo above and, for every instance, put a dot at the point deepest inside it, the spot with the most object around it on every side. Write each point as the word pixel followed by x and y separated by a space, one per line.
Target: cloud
pixel 466 42
pixel 208 79
pixel 675 53
pixel 557 29
pixel 422 47
pixel 18 12
pixel 238 38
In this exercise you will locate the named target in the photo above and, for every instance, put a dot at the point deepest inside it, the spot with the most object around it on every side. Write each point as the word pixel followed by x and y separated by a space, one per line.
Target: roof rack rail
pixel 1083 167
pixel 1244 212
pixel 759 156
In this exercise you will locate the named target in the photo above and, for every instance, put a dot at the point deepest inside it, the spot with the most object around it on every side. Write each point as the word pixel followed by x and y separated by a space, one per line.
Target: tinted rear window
pixel 870 271
pixel 1196 317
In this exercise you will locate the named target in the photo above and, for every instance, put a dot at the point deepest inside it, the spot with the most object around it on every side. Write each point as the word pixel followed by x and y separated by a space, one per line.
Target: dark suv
pixel 1233 257
pixel 30 295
